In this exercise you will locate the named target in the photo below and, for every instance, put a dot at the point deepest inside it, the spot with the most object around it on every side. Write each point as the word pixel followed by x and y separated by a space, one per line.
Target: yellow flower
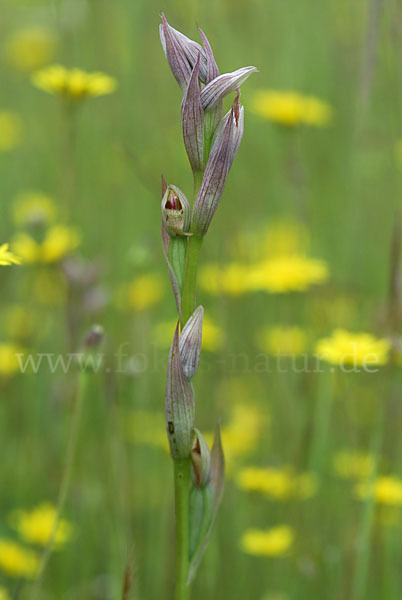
pixel 74 84
pixel 386 490
pixel 283 340
pixel 30 48
pixel 353 464
pixel 287 274
pixel 4 594
pixel 7 257
pixel 212 334
pixel 9 364
pixel 145 291
pixel 282 238
pixel 36 526
pixel 32 208
pixel 276 541
pixel 17 561
pixel 278 484
pixel 231 279
pixel 10 130
pixel 291 108
pixel 357 349
pixel 58 242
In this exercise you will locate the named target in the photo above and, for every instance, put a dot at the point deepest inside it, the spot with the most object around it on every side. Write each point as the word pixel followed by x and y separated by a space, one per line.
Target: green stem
pixel 65 482
pixel 182 487
pixel 190 278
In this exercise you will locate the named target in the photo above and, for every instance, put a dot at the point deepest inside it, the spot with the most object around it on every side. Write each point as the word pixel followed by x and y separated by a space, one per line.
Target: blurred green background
pixel 330 193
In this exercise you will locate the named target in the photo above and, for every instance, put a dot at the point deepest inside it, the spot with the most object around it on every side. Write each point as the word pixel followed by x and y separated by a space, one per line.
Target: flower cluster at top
pixel 211 139
pixel 73 84
pixel 291 109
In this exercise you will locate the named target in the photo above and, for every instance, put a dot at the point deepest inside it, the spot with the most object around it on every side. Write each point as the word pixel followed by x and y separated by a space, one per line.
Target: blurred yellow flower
pixel 291 108
pixel 386 490
pixel 8 258
pixel 4 594
pixel 33 208
pixel 58 242
pixel 358 349
pixel 212 335
pixel 145 291
pixel 230 279
pixel 30 48
pixel 74 84
pixel 353 464
pixel 36 526
pixel 276 541
pixel 283 274
pixel 278 484
pixel 10 130
pixel 17 561
pixel 9 364
pixel 283 340
pixel 282 238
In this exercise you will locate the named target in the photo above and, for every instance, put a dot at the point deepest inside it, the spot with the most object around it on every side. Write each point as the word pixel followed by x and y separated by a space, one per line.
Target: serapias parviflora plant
pixel 211 140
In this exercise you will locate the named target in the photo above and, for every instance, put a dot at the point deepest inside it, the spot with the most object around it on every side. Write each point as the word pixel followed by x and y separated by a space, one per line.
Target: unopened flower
pixel 10 130
pixel 224 148
pixel 74 84
pixel 16 560
pixel 30 47
pixel 201 460
pixel 36 526
pixel 179 404
pixel 291 108
pixel 212 334
pixel 7 257
pixel 271 542
pixel 190 342
pixel 33 208
pixel 358 349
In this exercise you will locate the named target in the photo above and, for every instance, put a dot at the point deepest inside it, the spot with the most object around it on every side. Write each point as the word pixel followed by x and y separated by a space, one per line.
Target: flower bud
pixel 223 85
pixel 190 343
pixel 224 147
pixel 201 460
pixel 179 404
pixel 89 359
pixel 212 116
pixel 181 53
pixel 192 117
pixel 204 504
pixel 176 211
